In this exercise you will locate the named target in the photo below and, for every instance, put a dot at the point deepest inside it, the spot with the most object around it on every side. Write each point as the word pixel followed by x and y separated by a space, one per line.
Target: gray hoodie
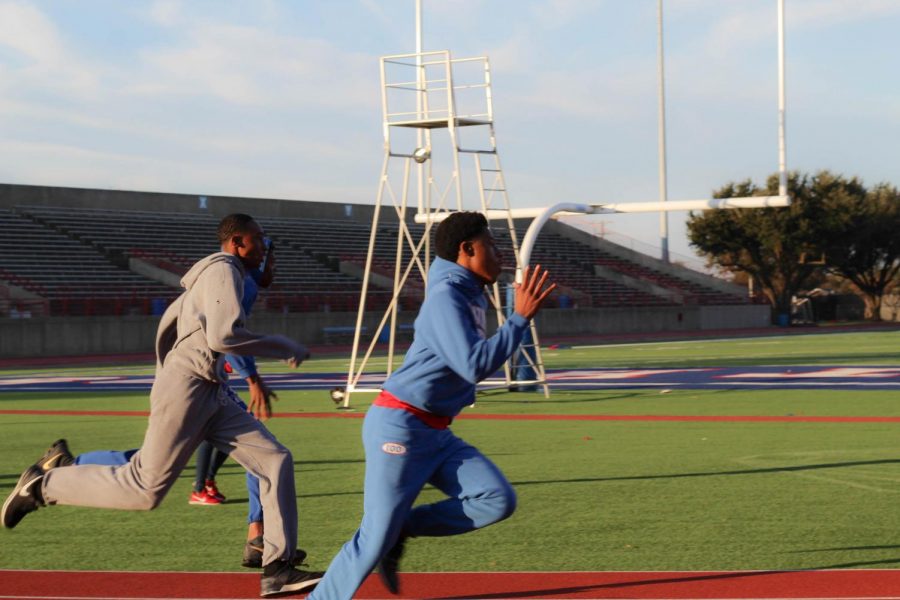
pixel 207 321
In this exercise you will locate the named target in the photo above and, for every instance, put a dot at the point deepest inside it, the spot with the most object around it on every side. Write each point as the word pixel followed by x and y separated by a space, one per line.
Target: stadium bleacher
pixel 72 277
pixel 77 259
pixel 554 248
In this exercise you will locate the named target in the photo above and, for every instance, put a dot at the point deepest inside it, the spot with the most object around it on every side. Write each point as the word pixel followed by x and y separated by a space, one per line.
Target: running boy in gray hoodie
pixel 189 402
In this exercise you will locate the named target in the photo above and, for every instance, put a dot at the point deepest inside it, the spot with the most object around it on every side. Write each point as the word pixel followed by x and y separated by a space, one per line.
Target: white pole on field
pixel 663 187
pixel 420 105
pixel 782 144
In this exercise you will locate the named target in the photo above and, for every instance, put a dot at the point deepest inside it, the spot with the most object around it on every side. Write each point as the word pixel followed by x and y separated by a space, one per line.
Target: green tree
pixel 862 243
pixel 834 225
pixel 774 246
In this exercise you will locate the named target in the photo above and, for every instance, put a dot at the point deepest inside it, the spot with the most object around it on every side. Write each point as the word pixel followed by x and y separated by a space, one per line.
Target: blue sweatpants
pixel 255 509
pixel 402 455
pixel 112 458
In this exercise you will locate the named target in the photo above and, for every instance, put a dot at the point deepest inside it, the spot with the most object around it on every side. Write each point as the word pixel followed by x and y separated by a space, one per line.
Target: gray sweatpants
pixel 185 410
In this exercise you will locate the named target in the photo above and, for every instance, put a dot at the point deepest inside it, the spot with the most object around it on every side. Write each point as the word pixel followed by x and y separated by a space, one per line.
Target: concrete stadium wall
pixel 604 321
pixel 74 336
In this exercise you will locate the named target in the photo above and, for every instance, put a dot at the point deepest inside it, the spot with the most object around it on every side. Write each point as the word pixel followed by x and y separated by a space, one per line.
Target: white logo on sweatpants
pixel 393 448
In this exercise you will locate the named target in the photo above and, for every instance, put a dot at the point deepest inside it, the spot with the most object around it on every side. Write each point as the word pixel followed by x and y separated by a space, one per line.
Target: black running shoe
pixel 253 553
pixel 57 455
pixel 388 565
pixel 25 498
pixel 280 577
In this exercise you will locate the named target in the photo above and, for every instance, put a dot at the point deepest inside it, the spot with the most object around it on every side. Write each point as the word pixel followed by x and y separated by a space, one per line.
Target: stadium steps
pixel 310 251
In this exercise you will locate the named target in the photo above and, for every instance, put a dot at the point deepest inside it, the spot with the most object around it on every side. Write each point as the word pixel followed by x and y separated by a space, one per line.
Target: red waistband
pixel 388 400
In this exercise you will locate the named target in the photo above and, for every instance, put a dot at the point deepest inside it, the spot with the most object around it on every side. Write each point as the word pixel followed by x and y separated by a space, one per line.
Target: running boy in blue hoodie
pixel 406 432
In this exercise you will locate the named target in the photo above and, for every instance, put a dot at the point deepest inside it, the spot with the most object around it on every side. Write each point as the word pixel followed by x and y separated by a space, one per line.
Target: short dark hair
pixel 232 225
pixel 456 229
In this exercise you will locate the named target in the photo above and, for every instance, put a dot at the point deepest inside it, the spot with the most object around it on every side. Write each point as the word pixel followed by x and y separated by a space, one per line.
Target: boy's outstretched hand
pixel 300 354
pixel 534 289
pixel 261 397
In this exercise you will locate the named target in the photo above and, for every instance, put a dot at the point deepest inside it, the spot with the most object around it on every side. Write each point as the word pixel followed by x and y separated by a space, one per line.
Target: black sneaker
pixel 57 455
pixel 279 577
pixel 388 565
pixel 25 498
pixel 253 553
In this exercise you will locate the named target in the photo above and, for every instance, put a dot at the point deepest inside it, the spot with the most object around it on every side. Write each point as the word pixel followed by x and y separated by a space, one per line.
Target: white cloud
pixel 454 13
pixel 99 125
pixel 740 29
pixel 50 67
pixel 25 29
pixel 167 13
pixel 248 66
pixel 558 13
pixel 26 162
pixel 756 22
pixel 376 9
pixel 825 13
pixel 514 54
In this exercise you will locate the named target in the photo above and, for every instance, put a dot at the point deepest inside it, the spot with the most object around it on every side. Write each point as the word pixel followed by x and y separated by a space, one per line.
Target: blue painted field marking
pixel 712 378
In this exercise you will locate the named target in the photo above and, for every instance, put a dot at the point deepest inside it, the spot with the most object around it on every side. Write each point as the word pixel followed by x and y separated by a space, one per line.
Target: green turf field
pixel 598 495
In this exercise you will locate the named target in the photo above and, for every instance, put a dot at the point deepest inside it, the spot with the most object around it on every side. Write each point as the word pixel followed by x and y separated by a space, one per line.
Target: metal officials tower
pixel 428 100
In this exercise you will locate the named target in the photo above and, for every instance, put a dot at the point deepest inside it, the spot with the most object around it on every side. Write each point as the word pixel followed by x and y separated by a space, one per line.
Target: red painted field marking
pixel 860 584
pixel 501 417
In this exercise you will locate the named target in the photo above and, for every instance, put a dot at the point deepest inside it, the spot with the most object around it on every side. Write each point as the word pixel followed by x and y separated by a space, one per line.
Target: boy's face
pixel 250 246
pixel 482 257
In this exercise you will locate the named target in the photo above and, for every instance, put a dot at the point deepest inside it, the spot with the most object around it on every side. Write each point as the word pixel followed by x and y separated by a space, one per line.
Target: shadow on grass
pixel 233 466
pixel 841 465
pixel 187 473
pixel 244 499
pixel 582 396
pixel 887 547
pixel 663 581
pixel 841 357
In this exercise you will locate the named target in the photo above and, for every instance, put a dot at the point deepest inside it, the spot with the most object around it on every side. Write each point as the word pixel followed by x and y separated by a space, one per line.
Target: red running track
pixel 827 584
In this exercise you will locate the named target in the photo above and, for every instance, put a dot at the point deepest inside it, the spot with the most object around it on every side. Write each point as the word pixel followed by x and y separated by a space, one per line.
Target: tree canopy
pixel 833 224
pixel 862 242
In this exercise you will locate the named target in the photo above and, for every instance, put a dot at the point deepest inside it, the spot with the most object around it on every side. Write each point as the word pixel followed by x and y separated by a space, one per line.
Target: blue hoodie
pixel 450 353
pixel 245 366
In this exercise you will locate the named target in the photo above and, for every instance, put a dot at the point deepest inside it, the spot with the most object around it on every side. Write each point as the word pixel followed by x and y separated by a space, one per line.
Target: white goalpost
pixel 434 108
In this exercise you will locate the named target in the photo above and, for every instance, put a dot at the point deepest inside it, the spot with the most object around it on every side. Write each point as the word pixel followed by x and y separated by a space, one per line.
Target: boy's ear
pixel 237 241
pixel 467 249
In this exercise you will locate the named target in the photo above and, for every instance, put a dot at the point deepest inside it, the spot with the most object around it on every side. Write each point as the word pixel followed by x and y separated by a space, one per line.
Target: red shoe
pixel 212 490
pixel 202 497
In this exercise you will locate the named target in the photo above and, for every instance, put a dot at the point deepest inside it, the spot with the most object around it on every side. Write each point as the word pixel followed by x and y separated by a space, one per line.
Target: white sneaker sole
pixel 21 489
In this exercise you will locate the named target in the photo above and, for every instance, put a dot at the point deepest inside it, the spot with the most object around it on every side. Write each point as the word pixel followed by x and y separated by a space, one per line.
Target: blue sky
pixel 281 98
